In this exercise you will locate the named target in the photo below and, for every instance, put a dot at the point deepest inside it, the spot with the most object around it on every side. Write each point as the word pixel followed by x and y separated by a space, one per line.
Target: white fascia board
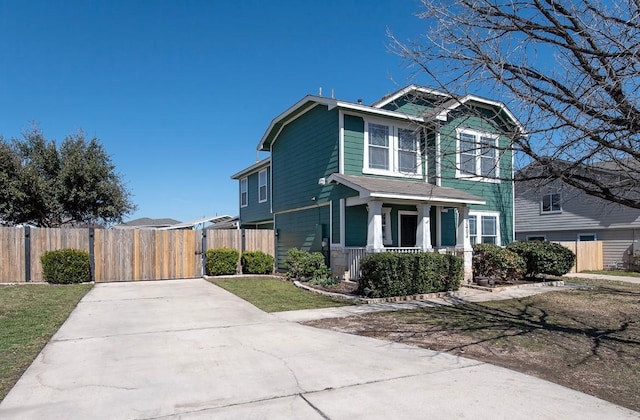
pixel 425 198
pixel 404 91
pixel 443 114
pixel 287 112
pixel 365 109
pixel 253 168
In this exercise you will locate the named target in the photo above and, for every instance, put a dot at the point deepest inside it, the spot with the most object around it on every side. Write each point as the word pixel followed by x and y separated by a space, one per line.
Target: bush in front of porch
pixel 390 274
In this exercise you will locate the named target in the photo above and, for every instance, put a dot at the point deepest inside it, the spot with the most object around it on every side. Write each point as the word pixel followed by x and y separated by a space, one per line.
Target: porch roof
pixel 382 188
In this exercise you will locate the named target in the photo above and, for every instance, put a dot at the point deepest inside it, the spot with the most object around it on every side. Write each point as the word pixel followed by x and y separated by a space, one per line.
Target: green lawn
pixel 613 273
pixel 29 316
pixel 273 295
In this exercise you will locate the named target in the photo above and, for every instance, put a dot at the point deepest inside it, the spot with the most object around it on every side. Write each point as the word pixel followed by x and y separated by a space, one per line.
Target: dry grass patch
pixel 587 340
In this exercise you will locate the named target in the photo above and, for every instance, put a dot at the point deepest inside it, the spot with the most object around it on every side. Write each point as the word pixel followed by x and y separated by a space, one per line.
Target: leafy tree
pixel 50 186
pixel 569 69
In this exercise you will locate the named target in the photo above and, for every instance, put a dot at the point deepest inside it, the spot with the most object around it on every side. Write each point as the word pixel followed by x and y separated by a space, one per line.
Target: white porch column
pixel 423 234
pixel 463 242
pixel 374 227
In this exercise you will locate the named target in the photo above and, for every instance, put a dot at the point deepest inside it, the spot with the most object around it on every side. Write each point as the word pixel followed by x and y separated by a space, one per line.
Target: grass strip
pixel 29 316
pixel 273 295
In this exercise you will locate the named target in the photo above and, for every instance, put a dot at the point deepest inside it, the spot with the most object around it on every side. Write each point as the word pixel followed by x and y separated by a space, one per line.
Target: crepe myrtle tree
pixel 48 185
pixel 569 70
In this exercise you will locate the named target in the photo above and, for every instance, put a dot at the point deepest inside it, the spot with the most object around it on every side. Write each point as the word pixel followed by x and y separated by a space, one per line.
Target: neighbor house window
pixel 484 228
pixel 244 192
pixel 587 237
pixel 477 155
pixel 551 203
pixel 262 186
pixel 540 238
pixel 391 150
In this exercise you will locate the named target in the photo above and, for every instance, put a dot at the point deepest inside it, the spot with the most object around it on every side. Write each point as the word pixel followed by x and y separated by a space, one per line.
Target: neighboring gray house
pixel 556 211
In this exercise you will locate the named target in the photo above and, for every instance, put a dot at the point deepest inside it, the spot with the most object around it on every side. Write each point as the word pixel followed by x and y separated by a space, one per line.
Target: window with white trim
pixel 484 228
pixel 262 186
pixel 477 155
pixel 244 192
pixel 551 203
pixel 391 150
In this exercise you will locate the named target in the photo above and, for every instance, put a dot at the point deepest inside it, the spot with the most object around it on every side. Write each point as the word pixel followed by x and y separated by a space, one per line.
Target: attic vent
pixel 359 101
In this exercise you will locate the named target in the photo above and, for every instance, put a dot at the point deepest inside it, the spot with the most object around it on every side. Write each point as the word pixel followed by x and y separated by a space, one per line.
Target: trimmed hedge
pixel 256 262
pixel 66 266
pixel 544 257
pixel 498 263
pixel 389 274
pixel 222 261
pixel 305 265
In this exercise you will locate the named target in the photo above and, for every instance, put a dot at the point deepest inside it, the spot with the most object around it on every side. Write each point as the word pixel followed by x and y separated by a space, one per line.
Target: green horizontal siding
pixel 302 229
pixel 498 195
pixel 255 211
pixel 305 151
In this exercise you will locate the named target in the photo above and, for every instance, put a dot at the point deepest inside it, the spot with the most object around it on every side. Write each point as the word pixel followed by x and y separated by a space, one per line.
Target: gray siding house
pixel 558 212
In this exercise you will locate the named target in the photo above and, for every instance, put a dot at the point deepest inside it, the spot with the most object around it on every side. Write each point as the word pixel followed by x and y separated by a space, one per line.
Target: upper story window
pixel 391 150
pixel 262 186
pixel 484 228
pixel 244 192
pixel 551 203
pixel 477 156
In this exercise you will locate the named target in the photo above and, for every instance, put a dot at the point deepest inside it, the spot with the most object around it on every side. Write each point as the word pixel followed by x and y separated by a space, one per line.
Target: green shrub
pixel 66 266
pixel 390 274
pixel 499 263
pixel 305 265
pixel 544 257
pixel 256 262
pixel 222 261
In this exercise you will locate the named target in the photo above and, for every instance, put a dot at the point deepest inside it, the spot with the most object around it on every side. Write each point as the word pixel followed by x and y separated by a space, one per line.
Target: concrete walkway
pixel 188 349
pixel 604 277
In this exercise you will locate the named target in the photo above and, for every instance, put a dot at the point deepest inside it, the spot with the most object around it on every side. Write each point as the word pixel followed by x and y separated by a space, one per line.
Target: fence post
pixel 27 254
pixel 204 251
pixel 92 261
pixel 243 242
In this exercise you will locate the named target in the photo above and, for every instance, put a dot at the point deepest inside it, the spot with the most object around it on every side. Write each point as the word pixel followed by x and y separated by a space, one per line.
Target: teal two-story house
pixel 418 170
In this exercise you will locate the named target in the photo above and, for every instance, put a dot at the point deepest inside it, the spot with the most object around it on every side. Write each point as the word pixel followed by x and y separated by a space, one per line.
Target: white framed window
pixel 262 186
pixel 551 203
pixel 540 238
pixel 477 156
pixel 587 237
pixel 244 192
pixel 386 226
pixel 484 227
pixel 391 150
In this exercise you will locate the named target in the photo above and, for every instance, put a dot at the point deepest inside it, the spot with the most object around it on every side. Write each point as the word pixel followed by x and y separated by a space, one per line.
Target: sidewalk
pixel 635 280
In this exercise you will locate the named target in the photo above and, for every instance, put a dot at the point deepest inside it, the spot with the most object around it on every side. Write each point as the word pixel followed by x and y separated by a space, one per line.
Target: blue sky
pixel 180 92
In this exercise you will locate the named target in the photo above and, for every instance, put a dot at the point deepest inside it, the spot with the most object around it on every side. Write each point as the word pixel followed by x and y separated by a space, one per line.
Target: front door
pixel 408 229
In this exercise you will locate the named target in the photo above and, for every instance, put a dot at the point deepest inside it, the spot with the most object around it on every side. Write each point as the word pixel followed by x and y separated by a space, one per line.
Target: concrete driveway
pixel 188 349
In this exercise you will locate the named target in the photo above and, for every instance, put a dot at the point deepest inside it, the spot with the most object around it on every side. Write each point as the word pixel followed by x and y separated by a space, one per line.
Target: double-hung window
pixel 391 150
pixel 477 155
pixel 484 228
pixel 551 203
pixel 262 186
pixel 244 192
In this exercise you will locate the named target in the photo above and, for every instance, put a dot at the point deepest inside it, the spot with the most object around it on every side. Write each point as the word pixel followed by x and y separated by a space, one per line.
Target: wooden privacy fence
pixel 123 254
pixel 588 255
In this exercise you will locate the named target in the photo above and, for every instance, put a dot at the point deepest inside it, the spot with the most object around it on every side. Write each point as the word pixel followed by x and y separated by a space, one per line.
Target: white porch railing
pixel 355 255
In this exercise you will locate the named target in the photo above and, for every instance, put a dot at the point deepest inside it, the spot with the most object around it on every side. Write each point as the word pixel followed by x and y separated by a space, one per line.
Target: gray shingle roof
pixel 418 190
